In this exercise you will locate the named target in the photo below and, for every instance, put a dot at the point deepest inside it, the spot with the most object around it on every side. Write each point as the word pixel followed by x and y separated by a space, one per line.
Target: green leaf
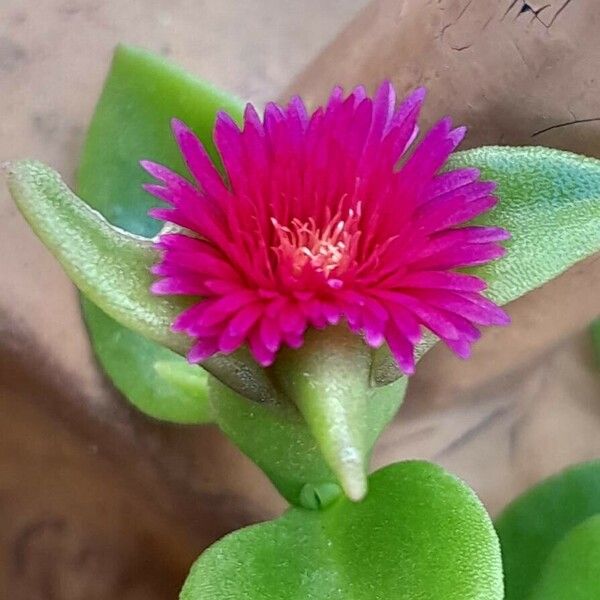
pixel 549 201
pixel 108 265
pixel 111 267
pixel 141 95
pixel 534 523
pixel 277 438
pixel 420 534
pixel 328 379
pixel 170 389
pixel 573 569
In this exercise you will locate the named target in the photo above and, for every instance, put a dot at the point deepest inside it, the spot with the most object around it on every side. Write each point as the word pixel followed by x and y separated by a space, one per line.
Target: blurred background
pixel 98 501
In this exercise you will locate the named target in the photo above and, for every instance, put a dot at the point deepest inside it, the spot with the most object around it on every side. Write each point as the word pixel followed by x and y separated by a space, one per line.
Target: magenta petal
pixel 241 324
pixel 383 110
pixel 409 108
pixel 197 160
pixel 374 336
pixel 178 285
pixel 219 310
pixel 160 192
pixel 402 350
pixel 451 181
pixel 460 347
pixel 466 256
pixel 292 320
pixel 456 136
pixel 202 349
pixel 158 171
pixel 189 317
pixel 270 335
pixel 444 280
pixel 454 213
pixel 261 353
pixel 480 310
pixel 406 323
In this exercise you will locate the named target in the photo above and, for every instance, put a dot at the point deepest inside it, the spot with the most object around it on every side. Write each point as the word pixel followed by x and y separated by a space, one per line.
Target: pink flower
pixel 314 223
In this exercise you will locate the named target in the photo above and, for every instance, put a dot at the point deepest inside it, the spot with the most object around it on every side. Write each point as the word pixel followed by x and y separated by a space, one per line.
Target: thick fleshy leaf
pixel 419 534
pixel 277 438
pixel 550 203
pixel 169 389
pixel 534 524
pixel 141 95
pixel 107 264
pixel 328 380
pixel 573 569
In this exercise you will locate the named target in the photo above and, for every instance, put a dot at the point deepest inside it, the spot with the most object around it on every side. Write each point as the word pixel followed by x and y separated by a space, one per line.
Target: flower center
pixel 329 250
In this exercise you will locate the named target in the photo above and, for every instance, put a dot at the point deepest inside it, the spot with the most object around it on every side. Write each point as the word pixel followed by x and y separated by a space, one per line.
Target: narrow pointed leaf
pixel 111 267
pixel 550 203
pixel 419 534
pixel 107 264
pixel 277 438
pixel 533 524
pixel 328 379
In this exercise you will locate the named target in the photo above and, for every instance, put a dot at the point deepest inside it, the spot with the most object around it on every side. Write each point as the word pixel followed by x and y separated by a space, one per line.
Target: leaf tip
pixel 354 481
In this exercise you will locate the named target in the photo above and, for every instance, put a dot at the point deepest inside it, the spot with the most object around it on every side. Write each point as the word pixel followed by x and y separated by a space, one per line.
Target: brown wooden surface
pixel 97 501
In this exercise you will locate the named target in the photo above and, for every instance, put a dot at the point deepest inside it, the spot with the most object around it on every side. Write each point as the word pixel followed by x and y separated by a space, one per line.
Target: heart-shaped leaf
pixel 420 534
pixel 550 203
pixel 534 524
pixel 572 572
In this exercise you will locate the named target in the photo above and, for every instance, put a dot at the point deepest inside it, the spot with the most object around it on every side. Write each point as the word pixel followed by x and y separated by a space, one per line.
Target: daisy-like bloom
pixel 314 223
